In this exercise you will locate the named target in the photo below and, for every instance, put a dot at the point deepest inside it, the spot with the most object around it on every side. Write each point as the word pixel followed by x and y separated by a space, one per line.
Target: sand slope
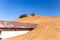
pixel 48 28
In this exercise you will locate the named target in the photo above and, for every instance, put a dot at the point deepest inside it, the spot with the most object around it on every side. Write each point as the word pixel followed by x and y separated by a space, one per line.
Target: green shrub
pixel 32 14
pixel 23 15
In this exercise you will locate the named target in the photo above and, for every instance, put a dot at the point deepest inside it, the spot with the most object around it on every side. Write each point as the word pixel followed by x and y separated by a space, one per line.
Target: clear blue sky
pixel 12 9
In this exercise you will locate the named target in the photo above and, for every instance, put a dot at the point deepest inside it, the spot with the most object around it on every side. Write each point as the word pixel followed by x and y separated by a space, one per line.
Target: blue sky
pixel 12 9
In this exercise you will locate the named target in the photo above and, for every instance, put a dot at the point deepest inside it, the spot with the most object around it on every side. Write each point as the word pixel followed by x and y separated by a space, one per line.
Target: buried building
pixel 8 27
pixel 48 28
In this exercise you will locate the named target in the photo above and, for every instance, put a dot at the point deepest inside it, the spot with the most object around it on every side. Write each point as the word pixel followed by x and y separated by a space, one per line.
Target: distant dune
pixel 48 28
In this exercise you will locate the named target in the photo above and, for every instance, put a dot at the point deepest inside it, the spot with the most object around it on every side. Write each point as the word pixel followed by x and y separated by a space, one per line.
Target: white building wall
pixel 7 34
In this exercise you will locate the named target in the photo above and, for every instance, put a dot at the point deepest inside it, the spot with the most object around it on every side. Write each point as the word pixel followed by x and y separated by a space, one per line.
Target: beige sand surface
pixel 48 28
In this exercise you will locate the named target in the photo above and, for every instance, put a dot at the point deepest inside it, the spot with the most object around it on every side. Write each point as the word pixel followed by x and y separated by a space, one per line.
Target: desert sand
pixel 48 28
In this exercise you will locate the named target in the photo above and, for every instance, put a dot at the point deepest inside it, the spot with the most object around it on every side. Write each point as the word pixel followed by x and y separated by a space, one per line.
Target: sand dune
pixel 48 28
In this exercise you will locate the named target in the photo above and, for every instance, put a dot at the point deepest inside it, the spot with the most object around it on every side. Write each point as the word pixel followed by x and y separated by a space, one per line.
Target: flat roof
pixel 8 25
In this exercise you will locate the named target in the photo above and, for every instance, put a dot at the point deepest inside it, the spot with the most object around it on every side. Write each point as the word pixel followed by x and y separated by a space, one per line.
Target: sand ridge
pixel 48 28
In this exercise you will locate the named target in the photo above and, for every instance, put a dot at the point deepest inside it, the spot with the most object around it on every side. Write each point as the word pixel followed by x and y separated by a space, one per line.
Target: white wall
pixel 7 34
